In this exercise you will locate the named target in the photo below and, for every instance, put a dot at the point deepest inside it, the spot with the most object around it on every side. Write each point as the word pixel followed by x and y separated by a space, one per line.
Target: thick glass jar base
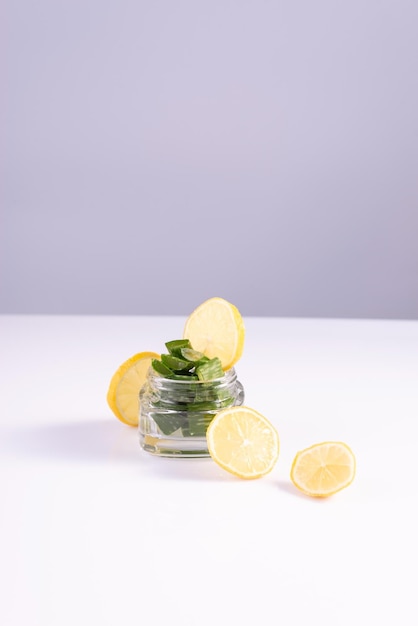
pixel 191 447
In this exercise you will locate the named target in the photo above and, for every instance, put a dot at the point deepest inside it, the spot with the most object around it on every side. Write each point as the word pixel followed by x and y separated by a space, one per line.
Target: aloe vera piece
pixel 189 354
pixel 185 376
pixel 183 394
pixel 210 405
pixel 210 369
pixel 170 422
pixel 197 425
pixel 161 369
pixel 174 347
pixel 175 364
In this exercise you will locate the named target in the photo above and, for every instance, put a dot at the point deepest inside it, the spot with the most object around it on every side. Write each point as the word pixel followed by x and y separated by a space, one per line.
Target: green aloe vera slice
pixel 170 422
pixel 197 425
pixel 161 369
pixel 193 355
pixel 189 376
pixel 175 364
pixel 174 347
pixel 210 369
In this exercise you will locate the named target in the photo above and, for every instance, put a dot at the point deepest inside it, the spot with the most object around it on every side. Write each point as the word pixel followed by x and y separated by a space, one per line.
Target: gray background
pixel 158 153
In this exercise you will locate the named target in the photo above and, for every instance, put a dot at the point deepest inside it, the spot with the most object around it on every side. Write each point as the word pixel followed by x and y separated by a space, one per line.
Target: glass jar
pixel 174 414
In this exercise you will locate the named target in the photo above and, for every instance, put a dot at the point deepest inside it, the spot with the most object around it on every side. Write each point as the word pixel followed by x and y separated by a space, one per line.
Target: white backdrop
pixel 154 154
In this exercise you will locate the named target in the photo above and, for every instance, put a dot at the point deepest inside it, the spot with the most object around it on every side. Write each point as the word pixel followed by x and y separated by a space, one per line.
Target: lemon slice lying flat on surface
pixel 323 469
pixel 126 382
pixel 216 328
pixel 243 442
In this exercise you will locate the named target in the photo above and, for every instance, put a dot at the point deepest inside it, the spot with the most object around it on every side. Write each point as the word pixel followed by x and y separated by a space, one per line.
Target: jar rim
pixel 228 375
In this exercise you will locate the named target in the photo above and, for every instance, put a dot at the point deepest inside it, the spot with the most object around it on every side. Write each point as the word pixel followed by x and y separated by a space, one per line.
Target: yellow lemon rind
pixel 315 494
pixel 118 377
pixel 228 467
pixel 238 322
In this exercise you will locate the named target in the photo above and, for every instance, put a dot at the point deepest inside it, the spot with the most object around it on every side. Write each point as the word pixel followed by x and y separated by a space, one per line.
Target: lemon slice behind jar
pixel 216 329
pixel 125 385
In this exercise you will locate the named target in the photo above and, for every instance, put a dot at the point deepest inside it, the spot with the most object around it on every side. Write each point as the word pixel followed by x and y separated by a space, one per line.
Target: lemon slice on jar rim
pixel 216 328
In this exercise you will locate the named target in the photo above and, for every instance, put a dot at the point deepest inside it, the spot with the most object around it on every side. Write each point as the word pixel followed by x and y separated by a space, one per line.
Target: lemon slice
pixel 126 382
pixel 323 469
pixel 216 328
pixel 243 442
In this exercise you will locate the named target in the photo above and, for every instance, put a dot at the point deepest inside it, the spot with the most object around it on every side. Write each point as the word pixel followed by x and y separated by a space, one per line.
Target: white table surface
pixel 96 531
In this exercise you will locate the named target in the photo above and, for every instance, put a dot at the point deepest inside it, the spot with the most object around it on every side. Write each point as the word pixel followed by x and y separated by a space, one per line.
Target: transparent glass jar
pixel 174 414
